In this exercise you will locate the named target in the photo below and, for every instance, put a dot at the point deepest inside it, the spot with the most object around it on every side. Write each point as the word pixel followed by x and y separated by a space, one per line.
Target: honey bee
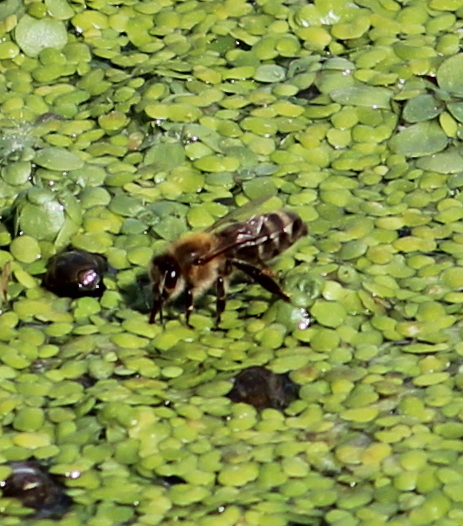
pixel 198 261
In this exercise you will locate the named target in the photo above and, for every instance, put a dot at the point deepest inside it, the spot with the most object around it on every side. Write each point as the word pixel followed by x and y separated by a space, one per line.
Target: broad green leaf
pixel 32 35
pixel 270 73
pixel 422 108
pixel 59 159
pixel 456 109
pixel 447 162
pixel 423 138
pixel 450 75
pixel 365 96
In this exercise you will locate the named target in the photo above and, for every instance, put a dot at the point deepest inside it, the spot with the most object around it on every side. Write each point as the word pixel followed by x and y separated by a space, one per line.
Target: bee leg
pixel 220 299
pixel 262 277
pixel 189 305
pixel 157 307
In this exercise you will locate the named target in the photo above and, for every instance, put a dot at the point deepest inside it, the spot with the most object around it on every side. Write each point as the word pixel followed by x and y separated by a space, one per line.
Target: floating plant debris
pixel 76 273
pixel 263 389
pixel 36 489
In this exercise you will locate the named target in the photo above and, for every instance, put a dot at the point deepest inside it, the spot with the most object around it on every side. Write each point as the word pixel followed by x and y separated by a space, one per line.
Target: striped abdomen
pixel 264 237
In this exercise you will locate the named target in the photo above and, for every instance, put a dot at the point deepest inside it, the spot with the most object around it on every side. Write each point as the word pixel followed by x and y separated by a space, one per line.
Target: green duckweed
pixel 123 127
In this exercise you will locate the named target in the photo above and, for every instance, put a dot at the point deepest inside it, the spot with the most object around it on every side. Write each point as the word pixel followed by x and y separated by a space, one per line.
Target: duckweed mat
pixel 125 123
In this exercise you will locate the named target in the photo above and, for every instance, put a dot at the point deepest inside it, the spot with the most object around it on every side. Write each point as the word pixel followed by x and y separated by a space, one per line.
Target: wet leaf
pixel 422 108
pixel 450 75
pixel 4 280
pixel 423 138
pixel 309 63
pixel 365 96
pixel 33 35
pixel 165 156
pixel 270 73
pixel 207 136
pixel 9 7
pixel 58 159
pixel 456 109
pixel 447 162
pixel 169 228
pixel 46 215
pixel 60 9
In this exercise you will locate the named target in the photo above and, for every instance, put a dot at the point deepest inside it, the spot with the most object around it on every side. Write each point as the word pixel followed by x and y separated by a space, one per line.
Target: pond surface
pixel 126 124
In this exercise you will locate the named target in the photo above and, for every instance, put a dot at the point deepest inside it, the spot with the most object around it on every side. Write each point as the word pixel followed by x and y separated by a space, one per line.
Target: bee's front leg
pixel 157 307
pixel 221 299
pixel 188 304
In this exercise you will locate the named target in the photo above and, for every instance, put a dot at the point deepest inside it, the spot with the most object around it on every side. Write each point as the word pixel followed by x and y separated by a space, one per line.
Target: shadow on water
pixel 137 294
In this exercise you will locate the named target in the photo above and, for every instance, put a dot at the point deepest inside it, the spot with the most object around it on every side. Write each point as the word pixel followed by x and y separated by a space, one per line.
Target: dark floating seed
pixel 76 273
pixel 242 45
pixel 47 117
pixel 86 381
pixel 322 522
pixel 405 231
pixel 310 93
pixel 36 489
pixel 263 389
pixel 172 480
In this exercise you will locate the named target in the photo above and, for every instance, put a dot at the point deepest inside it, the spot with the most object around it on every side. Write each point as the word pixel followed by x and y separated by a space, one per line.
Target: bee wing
pixel 237 235
pixel 245 210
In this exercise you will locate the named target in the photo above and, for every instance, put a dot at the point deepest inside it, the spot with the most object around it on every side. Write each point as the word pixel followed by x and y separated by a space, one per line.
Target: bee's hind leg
pixel 261 277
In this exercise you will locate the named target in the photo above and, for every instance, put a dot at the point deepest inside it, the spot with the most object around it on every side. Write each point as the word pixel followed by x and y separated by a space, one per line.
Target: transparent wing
pixel 241 212
pixel 237 235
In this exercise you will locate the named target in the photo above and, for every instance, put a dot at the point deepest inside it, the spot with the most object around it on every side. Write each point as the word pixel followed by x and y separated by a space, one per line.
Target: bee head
pixel 165 274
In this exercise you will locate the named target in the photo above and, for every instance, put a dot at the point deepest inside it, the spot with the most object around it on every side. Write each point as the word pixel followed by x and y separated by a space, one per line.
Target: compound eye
pixel 170 279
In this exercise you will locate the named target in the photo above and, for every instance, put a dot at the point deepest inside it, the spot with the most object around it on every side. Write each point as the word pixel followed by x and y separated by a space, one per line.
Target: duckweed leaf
pixel 447 162
pixel 259 186
pixel 422 108
pixel 456 109
pixel 9 7
pixel 339 63
pixel 33 35
pixel 364 96
pixel 72 207
pixel 423 138
pixel 165 156
pixel 126 206
pixel 207 136
pixel 60 9
pixel 304 65
pixel 450 75
pixel 59 159
pixel 45 215
pixel 38 214
pixel 270 73
pixel 169 228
